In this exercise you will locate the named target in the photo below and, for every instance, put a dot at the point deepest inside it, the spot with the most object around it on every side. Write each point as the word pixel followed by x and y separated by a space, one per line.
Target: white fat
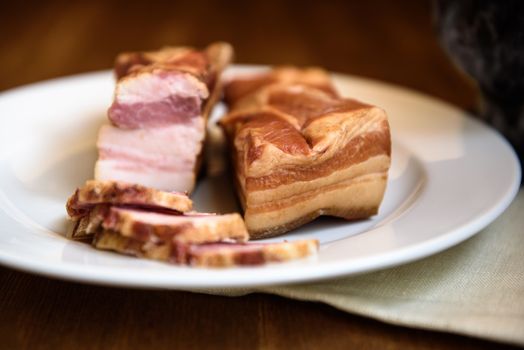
pixel 181 181
pixel 177 143
pixel 138 155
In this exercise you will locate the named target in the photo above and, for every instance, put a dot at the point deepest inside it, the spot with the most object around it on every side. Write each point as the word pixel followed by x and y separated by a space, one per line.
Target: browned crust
pixel 86 226
pixel 96 192
pixel 241 87
pixel 373 144
pixel 203 64
pixel 78 230
pixel 297 104
pixel 220 56
pixel 131 63
pixel 323 134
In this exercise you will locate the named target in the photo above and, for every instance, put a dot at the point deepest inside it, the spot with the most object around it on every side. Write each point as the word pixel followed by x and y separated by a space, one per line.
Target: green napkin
pixel 475 288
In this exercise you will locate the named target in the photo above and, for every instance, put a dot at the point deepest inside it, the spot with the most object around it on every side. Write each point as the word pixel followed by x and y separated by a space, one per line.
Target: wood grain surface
pixel 386 40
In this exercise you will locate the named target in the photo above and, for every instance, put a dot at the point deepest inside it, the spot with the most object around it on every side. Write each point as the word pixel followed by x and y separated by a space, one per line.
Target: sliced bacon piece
pixel 300 151
pixel 155 225
pixel 161 227
pixel 161 104
pixel 129 220
pixel 163 158
pixel 230 254
pixel 166 87
pixel 95 192
pixel 207 254
pixel 155 99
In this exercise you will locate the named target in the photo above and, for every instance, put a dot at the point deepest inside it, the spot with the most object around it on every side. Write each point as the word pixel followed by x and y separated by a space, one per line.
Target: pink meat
pixel 157 99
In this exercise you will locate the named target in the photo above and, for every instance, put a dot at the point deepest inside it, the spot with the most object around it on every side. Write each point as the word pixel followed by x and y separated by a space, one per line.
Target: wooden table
pixel 391 41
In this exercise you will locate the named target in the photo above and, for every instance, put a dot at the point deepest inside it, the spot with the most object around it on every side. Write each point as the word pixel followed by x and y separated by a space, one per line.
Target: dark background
pixel 385 40
pixel 392 41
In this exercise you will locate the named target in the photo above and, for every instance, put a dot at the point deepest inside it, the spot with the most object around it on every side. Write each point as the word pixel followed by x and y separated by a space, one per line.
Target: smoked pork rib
pixel 158 117
pixel 301 151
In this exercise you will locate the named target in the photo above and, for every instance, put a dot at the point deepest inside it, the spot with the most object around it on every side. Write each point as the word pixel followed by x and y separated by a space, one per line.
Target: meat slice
pixel 94 193
pixel 158 117
pixel 135 220
pixel 193 238
pixel 166 87
pixel 207 254
pixel 300 151
pixel 163 158
pixel 155 227
pixel 231 254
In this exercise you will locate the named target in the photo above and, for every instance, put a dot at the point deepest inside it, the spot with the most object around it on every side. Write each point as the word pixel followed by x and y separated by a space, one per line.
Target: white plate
pixel 450 177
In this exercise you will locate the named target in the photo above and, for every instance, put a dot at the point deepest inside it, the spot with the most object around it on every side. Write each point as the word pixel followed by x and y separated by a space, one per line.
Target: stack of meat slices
pixel 158 117
pixel 300 150
pixel 145 222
